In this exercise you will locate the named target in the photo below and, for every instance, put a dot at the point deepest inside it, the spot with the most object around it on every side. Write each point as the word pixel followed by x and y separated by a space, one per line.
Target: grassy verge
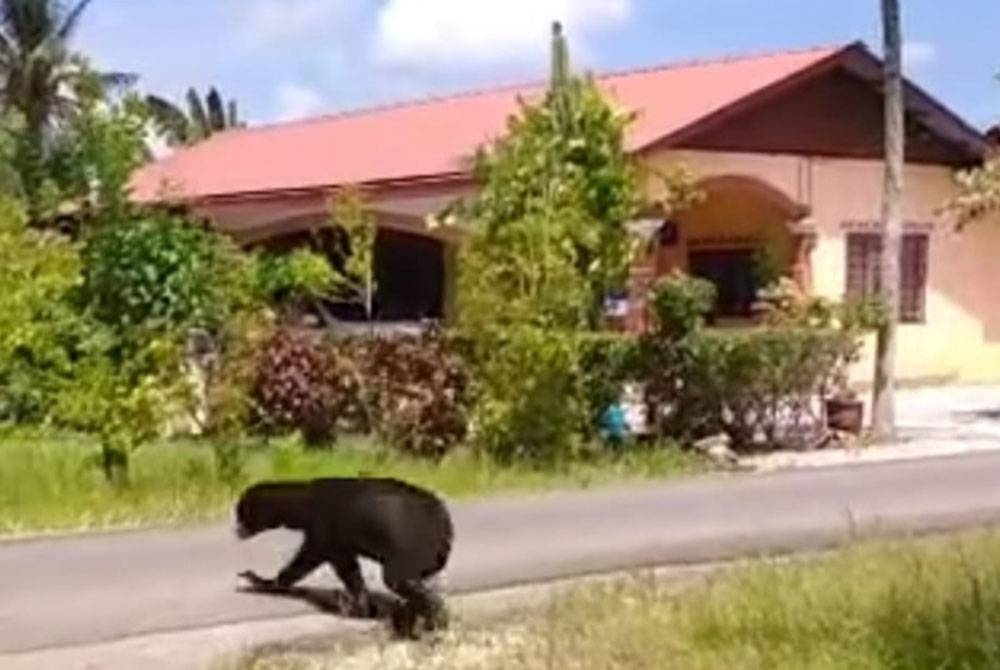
pixel 47 483
pixel 928 604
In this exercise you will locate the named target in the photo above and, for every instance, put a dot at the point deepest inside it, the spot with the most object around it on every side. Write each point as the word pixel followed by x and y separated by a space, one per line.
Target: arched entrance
pixel 743 235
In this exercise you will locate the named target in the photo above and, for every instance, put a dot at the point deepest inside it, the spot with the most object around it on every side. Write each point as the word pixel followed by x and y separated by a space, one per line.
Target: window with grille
pixel 864 271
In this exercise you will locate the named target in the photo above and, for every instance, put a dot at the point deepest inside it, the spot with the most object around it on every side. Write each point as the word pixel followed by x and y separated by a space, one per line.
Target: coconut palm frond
pixel 216 110
pixel 169 120
pixel 72 20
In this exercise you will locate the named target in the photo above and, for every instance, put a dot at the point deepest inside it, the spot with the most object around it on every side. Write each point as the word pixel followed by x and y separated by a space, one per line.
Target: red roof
pixel 435 137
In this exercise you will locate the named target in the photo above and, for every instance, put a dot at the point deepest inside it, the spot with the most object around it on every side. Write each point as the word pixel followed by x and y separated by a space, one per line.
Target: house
pixel 787 148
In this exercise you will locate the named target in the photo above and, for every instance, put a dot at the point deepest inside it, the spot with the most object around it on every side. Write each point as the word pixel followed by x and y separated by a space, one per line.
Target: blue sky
pixel 291 58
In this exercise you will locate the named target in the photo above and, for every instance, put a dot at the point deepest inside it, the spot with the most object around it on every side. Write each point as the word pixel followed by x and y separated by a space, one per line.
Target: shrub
pixel 416 391
pixel 160 273
pixel 761 386
pixel 302 383
pixel 529 399
pixel 292 278
pixel 607 362
pixel 680 304
pixel 38 326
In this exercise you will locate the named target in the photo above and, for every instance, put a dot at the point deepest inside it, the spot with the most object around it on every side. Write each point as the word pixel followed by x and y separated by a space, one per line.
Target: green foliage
pixel 293 278
pixel 607 362
pixel 45 485
pixel 44 81
pixel 39 329
pixel 11 128
pixel 161 273
pixel 530 403
pixel 761 386
pixel 680 304
pixel 97 153
pixel 556 194
pixel 126 400
pixel 548 242
pixel 767 266
pixel 230 385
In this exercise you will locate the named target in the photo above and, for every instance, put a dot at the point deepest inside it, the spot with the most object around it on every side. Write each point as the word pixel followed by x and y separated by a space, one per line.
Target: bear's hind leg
pixel 418 601
pixel 349 572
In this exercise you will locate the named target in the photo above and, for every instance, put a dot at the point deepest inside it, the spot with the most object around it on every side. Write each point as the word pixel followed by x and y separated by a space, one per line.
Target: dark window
pixel 913 279
pixel 864 272
pixel 732 273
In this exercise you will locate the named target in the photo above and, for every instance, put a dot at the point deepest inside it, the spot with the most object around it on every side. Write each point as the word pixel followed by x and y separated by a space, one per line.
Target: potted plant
pixel 845 412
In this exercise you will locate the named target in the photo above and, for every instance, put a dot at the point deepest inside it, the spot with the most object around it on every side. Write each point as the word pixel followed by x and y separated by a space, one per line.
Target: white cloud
pixel 295 101
pixel 916 54
pixel 456 34
pixel 273 20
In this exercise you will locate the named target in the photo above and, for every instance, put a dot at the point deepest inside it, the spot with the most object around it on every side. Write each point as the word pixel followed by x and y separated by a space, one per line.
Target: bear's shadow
pixel 336 602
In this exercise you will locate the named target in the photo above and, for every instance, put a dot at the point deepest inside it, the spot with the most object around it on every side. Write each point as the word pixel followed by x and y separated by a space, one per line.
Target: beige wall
pixel 961 337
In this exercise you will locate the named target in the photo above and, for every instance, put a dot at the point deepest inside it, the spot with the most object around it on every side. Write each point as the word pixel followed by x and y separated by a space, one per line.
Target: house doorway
pixel 734 274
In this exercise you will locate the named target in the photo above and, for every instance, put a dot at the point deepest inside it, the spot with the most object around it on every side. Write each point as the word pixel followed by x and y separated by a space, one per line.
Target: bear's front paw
pixel 257 582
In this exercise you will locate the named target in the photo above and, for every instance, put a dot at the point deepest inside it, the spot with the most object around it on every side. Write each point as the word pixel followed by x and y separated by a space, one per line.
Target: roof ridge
pixel 523 85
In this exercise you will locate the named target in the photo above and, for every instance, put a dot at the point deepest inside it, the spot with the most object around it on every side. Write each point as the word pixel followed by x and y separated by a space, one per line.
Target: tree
pixel 549 225
pixel 200 120
pixel 978 188
pixel 883 401
pixel 40 76
pixel 348 213
pixel 96 154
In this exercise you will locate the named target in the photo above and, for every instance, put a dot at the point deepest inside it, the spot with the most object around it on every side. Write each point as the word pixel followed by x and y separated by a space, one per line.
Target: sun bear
pixel 406 529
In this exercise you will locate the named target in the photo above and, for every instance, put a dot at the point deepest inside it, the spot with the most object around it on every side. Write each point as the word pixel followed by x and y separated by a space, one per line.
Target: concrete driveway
pixel 950 412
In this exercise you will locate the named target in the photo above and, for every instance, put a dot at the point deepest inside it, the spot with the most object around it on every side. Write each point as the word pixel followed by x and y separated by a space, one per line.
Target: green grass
pixel 47 483
pixel 918 605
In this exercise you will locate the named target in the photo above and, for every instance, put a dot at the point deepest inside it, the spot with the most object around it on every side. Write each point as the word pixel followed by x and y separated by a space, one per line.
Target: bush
pixel 302 383
pixel 680 304
pixel 161 273
pixel 416 391
pixel 529 399
pixel 293 278
pixel 38 326
pixel 607 362
pixel 762 387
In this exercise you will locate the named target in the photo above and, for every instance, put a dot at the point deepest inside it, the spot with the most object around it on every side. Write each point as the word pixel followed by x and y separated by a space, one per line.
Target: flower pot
pixel 845 415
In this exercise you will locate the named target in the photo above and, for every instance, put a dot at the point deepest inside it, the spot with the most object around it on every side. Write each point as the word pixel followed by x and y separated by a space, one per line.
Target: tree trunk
pixel 883 401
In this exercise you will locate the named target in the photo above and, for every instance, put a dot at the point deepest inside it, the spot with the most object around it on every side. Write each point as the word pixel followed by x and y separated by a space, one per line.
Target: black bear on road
pixel 406 529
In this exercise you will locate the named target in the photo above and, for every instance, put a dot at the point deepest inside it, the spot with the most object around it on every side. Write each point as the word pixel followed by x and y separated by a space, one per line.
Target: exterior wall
pixel 960 340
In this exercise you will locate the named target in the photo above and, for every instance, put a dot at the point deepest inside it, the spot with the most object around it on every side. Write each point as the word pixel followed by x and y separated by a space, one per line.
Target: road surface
pixel 88 589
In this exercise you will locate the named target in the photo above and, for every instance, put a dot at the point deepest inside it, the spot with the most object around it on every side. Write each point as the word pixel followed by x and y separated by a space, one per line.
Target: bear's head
pixel 260 508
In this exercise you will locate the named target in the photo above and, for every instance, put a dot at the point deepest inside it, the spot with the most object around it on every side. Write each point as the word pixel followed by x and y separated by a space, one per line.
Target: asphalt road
pixel 87 589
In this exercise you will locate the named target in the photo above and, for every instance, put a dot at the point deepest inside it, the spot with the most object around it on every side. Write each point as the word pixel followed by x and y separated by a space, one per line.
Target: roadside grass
pixel 49 482
pixel 914 605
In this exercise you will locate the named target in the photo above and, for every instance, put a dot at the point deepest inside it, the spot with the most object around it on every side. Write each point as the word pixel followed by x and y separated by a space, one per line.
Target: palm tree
pixel 201 120
pixel 883 401
pixel 40 75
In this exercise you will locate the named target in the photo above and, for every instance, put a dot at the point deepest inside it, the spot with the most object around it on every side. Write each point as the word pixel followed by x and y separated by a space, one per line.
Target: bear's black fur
pixel 406 529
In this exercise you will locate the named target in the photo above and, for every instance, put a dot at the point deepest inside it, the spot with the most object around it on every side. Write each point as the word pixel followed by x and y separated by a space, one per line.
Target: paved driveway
pixel 952 412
